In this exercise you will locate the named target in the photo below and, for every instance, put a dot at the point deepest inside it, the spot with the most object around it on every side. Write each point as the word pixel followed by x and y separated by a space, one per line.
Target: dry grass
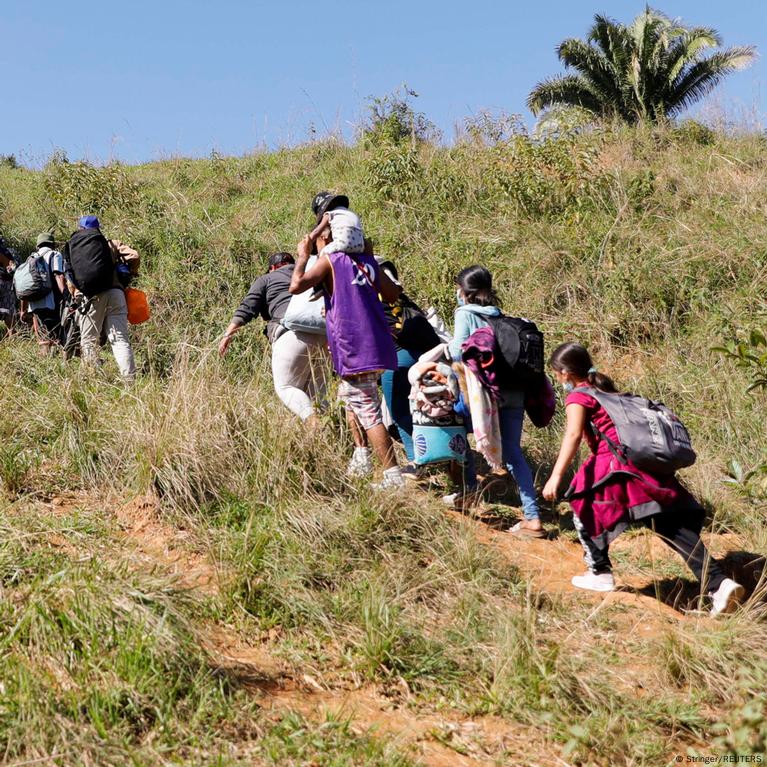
pixel 644 245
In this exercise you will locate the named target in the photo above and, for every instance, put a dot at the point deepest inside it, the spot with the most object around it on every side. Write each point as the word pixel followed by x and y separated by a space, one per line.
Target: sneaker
pixel 411 471
pixel 594 582
pixel 392 480
pixel 361 464
pixel 460 501
pixel 727 597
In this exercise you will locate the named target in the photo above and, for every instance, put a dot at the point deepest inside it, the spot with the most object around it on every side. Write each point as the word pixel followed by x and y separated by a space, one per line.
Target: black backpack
pixel 90 259
pixel 520 343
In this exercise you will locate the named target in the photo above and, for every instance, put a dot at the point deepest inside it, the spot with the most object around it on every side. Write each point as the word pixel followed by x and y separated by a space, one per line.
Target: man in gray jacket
pixel 298 358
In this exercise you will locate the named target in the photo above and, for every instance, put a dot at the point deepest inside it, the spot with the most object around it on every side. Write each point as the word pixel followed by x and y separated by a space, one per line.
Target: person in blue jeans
pixel 413 335
pixel 476 302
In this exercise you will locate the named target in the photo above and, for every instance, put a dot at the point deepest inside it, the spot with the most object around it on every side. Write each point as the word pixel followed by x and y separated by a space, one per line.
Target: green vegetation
pixel 646 244
pixel 750 355
pixel 651 69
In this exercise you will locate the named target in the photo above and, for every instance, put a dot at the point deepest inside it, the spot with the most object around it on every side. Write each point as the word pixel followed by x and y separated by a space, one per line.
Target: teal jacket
pixel 471 317
pixel 468 318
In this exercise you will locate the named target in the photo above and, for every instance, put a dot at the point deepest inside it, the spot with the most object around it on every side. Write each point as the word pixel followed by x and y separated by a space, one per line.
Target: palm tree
pixel 650 69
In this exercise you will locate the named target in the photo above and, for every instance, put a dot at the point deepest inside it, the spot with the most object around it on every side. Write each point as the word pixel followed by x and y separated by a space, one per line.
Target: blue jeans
pixel 469 472
pixel 511 435
pixel 396 390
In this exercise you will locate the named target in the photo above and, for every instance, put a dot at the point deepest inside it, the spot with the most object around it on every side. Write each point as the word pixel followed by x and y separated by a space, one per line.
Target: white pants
pixel 108 313
pixel 299 370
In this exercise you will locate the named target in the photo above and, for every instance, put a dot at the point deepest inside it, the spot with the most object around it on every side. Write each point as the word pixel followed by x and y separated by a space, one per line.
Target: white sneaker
pixel 727 597
pixel 361 464
pixel 460 501
pixel 593 582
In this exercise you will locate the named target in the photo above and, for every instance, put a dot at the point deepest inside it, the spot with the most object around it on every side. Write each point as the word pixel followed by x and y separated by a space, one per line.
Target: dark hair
pixel 476 282
pixel 279 259
pixel 576 360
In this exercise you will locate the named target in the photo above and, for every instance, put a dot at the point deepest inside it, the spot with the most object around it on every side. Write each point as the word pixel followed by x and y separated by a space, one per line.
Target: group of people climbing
pixel 76 298
pixel 482 378
pixel 336 304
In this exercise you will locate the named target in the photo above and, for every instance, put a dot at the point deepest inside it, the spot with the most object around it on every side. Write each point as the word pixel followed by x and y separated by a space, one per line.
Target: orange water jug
pixel 138 306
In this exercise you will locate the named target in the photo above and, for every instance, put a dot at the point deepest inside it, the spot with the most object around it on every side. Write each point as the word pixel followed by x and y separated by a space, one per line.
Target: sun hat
pixel 45 238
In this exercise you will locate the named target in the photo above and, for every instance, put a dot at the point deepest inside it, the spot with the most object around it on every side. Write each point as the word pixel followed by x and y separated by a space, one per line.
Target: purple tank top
pixel 358 334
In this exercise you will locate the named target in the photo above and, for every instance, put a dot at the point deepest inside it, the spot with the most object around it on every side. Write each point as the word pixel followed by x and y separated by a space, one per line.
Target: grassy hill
pixel 647 245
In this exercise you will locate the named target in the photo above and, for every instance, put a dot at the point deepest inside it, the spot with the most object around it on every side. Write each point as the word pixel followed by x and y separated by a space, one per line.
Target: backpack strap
pixel 615 448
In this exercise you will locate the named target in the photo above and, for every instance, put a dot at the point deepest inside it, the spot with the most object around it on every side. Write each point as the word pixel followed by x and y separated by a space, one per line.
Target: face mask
pixel 459 298
pixel 568 387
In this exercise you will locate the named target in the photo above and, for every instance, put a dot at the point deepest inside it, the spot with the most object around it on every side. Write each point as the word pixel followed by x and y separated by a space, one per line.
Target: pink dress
pixel 607 494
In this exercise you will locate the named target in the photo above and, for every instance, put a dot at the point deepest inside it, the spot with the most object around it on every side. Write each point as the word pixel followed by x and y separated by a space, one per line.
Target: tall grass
pixel 646 245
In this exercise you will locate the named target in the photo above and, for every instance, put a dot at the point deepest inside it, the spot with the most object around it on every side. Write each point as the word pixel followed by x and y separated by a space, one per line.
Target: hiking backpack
pixel 32 280
pixel 520 344
pixel 652 437
pixel 90 259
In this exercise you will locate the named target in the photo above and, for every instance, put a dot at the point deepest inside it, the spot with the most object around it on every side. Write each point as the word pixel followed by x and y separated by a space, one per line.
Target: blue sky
pixel 140 80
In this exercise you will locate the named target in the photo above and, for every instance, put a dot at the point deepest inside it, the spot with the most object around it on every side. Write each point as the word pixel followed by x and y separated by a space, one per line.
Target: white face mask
pixel 567 386
pixel 459 298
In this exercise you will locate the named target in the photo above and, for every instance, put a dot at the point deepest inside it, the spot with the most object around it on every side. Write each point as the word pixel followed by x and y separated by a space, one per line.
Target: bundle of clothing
pixel 439 433
pixel 483 394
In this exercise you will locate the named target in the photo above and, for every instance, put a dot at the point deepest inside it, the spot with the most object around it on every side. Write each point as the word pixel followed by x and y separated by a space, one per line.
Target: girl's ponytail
pixel 576 360
pixel 601 381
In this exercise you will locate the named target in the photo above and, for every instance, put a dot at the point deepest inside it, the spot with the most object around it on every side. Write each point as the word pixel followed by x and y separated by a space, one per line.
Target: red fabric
pixel 604 491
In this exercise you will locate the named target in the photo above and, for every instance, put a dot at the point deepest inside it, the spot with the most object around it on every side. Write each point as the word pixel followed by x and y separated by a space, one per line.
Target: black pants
pixel 680 531
pixel 47 324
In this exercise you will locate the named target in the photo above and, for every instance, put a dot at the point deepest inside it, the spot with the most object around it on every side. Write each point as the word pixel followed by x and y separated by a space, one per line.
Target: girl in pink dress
pixel 609 493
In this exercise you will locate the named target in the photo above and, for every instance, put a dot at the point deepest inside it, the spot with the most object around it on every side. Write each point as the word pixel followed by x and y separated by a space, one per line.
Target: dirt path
pixel 435 739
pixel 552 563
pixel 438 741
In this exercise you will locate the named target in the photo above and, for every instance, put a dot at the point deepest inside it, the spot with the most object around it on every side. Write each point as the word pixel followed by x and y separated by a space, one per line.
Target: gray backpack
pixel 32 280
pixel 651 436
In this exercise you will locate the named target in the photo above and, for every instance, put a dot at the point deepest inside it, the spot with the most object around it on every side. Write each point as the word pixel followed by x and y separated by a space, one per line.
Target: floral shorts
pixel 360 396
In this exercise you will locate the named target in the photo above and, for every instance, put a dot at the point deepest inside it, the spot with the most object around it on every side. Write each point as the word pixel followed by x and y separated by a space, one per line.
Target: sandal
pixel 518 531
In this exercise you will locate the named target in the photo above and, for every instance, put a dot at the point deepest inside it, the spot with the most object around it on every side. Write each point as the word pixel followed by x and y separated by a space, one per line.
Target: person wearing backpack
pixel 7 294
pixel 610 491
pixel 98 271
pixel 46 308
pixel 478 308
